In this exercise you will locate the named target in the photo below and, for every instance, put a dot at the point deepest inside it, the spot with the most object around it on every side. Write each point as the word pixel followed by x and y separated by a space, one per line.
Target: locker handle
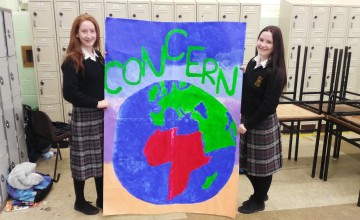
pixel 291 55
pixel 17 117
pixel 313 24
pixel 34 23
pixel 2 178
pixel 310 55
pixel 294 24
pixel 12 76
pixel 12 164
pixel 1 81
pixel 333 25
pixel 34 13
pixel 21 154
pixel 9 36
pixel 309 77
pixel 326 83
pixel 7 124
pixel 288 85
pixel 307 84
pixel 61 14
pixel 38 57
pixel 41 87
pixel 42 82
pixel 351 25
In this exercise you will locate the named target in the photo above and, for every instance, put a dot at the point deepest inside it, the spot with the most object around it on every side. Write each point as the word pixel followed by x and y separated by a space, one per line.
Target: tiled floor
pixel 293 194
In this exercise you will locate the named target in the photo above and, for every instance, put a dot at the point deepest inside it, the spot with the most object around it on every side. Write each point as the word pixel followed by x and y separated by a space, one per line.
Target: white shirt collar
pixel 262 63
pixel 87 54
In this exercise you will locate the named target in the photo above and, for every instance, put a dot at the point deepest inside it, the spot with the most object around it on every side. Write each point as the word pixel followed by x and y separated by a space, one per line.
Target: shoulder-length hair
pixel 73 50
pixel 277 61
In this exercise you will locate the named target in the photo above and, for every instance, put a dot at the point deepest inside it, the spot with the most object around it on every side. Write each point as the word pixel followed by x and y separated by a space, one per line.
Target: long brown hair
pixel 277 61
pixel 73 50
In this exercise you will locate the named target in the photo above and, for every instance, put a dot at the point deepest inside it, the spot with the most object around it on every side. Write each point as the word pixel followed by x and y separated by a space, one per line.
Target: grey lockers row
pixel 318 24
pixel 13 148
pixel 52 19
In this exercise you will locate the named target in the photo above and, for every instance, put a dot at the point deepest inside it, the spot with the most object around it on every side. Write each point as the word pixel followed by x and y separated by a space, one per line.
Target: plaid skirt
pixel 260 148
pixel 86 143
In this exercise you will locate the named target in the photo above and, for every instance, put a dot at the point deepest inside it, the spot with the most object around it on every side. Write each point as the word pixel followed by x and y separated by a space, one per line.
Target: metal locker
pixel 2 37
pixel 249 50
pixel 9 34
pixel 44 54
pixel 312 81
pixel 4 172
pixel 333 43
pixel 11 133
pixel 207 10
pixel 319 21
pixel 54 111
pixel 96 9
pixel 291 72
pixel 338 21
pixel 116 8
pixel 185 10
pixel 163 10
pixel 19 115
pixel 4 80
pixel 42 14
pixel 316 52
pixel 23 153
pixel 139 9
pixel 250 13
pixel 48 86
pixel 291 55
pixel 354 48
pixel 229 10
pixel 3 148
pixel 65 13
pixel 14 76
pixel 67 112
pixel 62 45
pixel 354 19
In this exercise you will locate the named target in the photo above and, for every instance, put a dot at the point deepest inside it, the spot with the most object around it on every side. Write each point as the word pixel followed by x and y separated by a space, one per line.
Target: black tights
pixel 79 186
pixel 261 186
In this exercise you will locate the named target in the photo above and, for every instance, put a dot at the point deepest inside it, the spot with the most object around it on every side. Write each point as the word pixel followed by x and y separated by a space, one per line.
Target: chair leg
pixel 316 149
pixel 359 200
pixel 58 154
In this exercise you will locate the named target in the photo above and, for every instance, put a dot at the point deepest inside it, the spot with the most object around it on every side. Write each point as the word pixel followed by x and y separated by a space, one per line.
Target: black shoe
pixel 86 208
pixel 251 208
pixel 99 203
pixel 251 198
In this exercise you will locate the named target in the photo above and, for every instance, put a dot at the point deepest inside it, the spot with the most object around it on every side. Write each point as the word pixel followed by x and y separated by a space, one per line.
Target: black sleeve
pixel 269 102
pixel 71 91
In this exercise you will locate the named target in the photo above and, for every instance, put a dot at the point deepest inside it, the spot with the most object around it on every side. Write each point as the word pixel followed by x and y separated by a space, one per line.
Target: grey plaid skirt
pixel 260 148
pixel 86 143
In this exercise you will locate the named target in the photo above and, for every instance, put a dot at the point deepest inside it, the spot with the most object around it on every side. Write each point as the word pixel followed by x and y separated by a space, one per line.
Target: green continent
pixel 209 180
pixel 212 127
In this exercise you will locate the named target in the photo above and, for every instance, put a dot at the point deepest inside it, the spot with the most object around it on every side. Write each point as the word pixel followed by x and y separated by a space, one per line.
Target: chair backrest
pixel 42 125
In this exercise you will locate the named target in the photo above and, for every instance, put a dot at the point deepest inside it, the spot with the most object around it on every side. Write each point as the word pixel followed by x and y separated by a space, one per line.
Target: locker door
pixel 163 12
pixel 116 10
pixel 316 52
pixel 185 12
pixel 48 85
pixel 2 38
pixel 249 50
pixel 19 116
pixel 95 9
pixel 312 81
pixel 229 12
pixel 2 134
pixel 42 19
pixel 4 80
pixel 9 32
pixel 23 153
pixel 300 21
pixel 63 44
pixel 11 133
pixel 291 80
pixel 4 167
pixel 54 111
pixel 319 21
pixel 251 15
pixel 45 56
pixel 354 26
pixel 207 12
pixel 338 21
pixel 334 43
pixel 67 112
pixel 352 84
pixel 140 11
pixel 65 13
pixel 354 48
pixel 292 51
pixel 14 76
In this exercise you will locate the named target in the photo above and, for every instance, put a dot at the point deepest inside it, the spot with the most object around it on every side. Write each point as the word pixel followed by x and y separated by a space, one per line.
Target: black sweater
pixel 84 89
pixel 260 93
